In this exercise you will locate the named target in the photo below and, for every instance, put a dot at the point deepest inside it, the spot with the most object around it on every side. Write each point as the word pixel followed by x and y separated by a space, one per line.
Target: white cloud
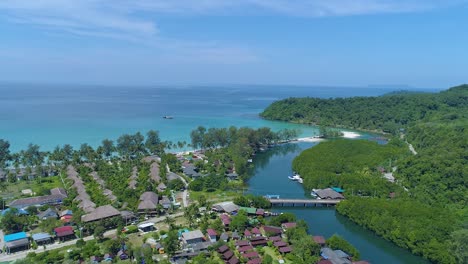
pixel 135 20
pixel 111 17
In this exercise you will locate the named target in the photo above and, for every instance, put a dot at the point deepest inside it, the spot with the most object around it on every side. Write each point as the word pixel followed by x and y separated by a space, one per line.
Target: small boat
pixel 168 117
pixel 296 177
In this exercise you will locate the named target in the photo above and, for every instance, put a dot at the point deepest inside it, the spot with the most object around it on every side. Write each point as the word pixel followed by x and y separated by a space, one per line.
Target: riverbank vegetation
pixel 354 165
pixel 426 209
pixel 231 148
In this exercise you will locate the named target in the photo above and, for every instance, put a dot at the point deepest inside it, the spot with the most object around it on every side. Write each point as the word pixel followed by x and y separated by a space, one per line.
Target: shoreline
pixel 346 134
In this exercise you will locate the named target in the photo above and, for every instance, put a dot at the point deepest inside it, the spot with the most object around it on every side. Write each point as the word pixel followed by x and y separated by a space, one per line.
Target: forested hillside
pixel 351 164
pixel 386 113
pixel 435 178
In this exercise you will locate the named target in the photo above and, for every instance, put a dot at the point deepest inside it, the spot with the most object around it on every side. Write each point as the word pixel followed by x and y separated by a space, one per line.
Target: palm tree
pixel 170 222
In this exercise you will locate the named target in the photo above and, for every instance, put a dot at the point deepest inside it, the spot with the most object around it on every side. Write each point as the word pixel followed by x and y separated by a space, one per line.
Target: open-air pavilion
pixel 42 238
pixel 15 242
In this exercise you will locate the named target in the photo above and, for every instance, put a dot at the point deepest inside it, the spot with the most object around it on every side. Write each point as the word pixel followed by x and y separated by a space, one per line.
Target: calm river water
pixel 270 177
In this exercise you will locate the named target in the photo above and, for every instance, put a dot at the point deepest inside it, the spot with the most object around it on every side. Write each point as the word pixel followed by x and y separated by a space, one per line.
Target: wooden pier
pixel 303 202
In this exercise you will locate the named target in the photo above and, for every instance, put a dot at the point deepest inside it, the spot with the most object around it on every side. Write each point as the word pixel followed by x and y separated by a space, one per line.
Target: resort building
pixel 192 237
pixel 328 193
pixel 15 242
pixel 161 187
pixel 146 227
pixel 190 170
pixel 64 233
pixel 57 195
pixel 227 207
pixel 102 212
pixel 335 256
pixel 148 203
pixel 225 219
pixel 272 230
pixel 286 226
pixel 249 210
pixel 319 240
pixel 211 234
pixel 47 214
pixel 42 238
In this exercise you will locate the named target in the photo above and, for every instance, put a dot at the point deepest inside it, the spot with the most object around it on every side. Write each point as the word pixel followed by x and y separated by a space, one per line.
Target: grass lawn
pixel 216 196
pixel 270 251
pixel 40 187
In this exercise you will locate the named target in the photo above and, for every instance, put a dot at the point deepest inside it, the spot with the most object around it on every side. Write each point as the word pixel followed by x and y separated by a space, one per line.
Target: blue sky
pixel 421 43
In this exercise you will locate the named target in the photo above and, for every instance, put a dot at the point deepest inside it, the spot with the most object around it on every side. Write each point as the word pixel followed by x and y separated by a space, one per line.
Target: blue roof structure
pixel 337 189
pixel 15 236
pixel 20 211
pixel 41 236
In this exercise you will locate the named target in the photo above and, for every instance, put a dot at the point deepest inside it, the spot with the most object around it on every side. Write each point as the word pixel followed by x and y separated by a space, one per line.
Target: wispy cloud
pixel 111 17
pixel 136 20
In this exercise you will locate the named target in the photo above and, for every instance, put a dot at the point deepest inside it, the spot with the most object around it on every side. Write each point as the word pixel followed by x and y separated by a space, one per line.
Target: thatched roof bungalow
pixel 102 212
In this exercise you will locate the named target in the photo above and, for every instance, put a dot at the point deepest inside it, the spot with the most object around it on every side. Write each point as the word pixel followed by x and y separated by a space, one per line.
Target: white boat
pixel 296 177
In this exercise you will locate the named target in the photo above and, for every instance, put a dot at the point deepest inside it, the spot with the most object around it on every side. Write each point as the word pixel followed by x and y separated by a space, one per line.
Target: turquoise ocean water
pixel 51 115
pixel 55 115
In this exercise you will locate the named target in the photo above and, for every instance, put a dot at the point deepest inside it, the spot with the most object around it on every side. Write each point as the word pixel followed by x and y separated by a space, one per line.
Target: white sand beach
pixel 309 139
pixel 347 134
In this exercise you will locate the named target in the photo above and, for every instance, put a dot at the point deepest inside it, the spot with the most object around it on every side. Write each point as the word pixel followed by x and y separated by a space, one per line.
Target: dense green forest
pixel 423 229
pixel 386 113
pixel 351 164
pixel 429 214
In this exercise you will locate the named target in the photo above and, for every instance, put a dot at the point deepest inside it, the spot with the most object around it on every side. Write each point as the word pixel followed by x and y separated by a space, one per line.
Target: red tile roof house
pixel 227 255
pixel 254 261
pixel 233 260
pixel 256 232
pixel 284 250
pixel 223 249
pixel 280 244
pixel 211 234
pixel 245 249
pixel 225 219
pixel 65 232
pixel 258 241
pixel 319 240
pixel 260 212
pixel 286 226
pixel 275 238
pixel 272 230
pixel 247 234
pixel 242 243
pixel 250 255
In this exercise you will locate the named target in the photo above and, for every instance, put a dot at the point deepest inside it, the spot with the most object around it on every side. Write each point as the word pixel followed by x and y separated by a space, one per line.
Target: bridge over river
pixel 276 201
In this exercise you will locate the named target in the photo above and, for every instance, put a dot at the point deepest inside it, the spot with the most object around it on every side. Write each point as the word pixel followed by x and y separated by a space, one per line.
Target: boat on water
pixel 296 177
pixel 168 117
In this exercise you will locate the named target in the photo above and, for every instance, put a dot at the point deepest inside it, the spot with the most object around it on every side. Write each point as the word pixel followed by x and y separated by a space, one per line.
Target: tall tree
pixel 32 156
pixel 153 143
pixel 4 153
pixel 86 152
pixel 197 137
pixel 108 148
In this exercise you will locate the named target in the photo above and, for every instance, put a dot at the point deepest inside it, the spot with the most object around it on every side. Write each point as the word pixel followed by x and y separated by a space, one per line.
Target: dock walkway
pixel 303 202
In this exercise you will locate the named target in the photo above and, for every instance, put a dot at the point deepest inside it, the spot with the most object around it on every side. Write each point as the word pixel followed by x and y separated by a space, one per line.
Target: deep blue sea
pixel 51 115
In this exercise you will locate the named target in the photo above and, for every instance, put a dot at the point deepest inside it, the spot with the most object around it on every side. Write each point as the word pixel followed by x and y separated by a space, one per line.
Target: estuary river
pixel 270 177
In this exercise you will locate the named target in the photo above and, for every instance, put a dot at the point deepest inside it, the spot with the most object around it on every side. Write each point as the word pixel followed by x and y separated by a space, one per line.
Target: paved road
pixel 185 193
pixel 109 233
pixel 22 254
